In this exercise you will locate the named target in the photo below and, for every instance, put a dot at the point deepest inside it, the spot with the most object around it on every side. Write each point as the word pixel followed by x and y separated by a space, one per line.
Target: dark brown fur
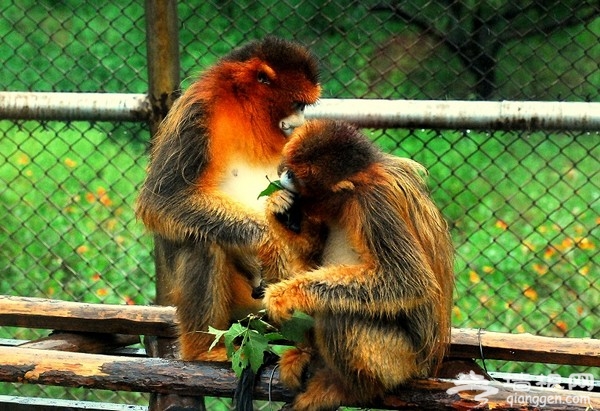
pixel 208 165
pixel 372 263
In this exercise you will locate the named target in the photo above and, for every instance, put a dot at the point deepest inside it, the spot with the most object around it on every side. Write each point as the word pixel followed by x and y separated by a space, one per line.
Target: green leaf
pixel 239 361
pixel 258 324
pixel 296 327
pixel 254 336
pixel 236 330
pixel 271 188
pixel 275 336
pixel 218 335
pixel 255 349
pixel 278 349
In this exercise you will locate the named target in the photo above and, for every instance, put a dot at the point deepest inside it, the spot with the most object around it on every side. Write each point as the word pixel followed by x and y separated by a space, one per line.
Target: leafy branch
pixel 247 340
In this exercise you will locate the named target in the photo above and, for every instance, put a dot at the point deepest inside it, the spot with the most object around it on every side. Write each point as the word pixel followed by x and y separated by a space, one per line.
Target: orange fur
pixel 208 164
pixel 292 364
pixel 378 282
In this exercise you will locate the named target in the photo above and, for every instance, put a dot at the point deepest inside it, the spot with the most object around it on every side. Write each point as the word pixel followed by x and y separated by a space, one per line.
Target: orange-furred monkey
pixel 368 255
pixel 207 166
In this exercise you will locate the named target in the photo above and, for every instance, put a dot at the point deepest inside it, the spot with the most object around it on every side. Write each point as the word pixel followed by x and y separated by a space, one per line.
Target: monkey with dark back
pixel 372 262
pixel 207 165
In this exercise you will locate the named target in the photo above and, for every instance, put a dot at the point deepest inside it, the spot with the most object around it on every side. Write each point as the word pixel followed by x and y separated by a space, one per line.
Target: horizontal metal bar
pixel 17 403
pixel 487 115
pixel 17 105
pixel 451 114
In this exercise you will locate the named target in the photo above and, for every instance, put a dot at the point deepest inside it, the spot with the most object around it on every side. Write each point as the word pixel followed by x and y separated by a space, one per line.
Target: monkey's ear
pixel 265 74
pixel 343 185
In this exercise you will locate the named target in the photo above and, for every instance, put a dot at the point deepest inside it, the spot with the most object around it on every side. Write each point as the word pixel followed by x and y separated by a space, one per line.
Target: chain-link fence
pixel 524 207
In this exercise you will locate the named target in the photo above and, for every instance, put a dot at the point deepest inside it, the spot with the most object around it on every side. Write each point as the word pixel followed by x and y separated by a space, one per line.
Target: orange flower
pixel 566 244
pixel 550 251
pixel 527 246
pixel 82 249
pixel 530 293
pixel 474 277
pixel 456 311
pixel 70 163
pixel 541 269
pixel 585 244
pixel 23 159
pixel 501 225
pixel 105 200
pixel 562 326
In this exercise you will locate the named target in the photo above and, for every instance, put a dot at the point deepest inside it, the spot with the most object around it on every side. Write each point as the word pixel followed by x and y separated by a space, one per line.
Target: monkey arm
pixel 285 252
pixel 341 289
pixel 307 241
pixel 187 214
pixel 170 202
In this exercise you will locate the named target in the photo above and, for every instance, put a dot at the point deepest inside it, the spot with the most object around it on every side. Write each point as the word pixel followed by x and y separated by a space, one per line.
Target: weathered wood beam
pixel 217 379
pixel 101 318
pixel 470 343
pixel 160 321
pixel 93 343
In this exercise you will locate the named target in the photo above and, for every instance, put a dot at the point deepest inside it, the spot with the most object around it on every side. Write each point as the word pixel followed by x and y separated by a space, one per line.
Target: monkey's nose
pixel 287 128
pixel 258 292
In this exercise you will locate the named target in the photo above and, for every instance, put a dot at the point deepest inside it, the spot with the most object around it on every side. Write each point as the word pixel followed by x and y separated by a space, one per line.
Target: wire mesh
pixel 523 207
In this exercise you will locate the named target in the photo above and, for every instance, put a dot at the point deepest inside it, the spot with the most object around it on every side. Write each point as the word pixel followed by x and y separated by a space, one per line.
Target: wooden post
pixel 162 39
pixel 163 81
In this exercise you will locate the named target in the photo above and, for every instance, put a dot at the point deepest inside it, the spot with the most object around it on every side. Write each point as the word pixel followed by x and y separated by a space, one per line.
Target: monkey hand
pixel 280 301
pixel 280 201
pixel 284 206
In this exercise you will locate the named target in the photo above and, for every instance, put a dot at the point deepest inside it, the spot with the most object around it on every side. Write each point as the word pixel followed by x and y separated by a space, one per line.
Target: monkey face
pixel 288 180
pixel 276 77
pixel 324 158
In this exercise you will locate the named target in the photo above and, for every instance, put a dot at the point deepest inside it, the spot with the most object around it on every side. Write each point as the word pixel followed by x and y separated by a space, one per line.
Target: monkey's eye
pixel 287 179
pixel 298 106
pixel 263 78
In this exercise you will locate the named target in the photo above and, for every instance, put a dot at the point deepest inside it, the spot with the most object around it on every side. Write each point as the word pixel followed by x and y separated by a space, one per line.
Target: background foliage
pixel 524 207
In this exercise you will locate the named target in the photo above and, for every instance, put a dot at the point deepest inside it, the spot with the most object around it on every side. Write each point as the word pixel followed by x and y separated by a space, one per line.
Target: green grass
pixel 69 227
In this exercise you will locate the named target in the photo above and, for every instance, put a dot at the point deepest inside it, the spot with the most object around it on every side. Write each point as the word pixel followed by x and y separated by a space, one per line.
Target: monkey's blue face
pixel 288 180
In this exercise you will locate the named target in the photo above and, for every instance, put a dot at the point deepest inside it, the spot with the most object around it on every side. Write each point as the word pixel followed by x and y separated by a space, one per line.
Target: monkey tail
pixel 242 398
